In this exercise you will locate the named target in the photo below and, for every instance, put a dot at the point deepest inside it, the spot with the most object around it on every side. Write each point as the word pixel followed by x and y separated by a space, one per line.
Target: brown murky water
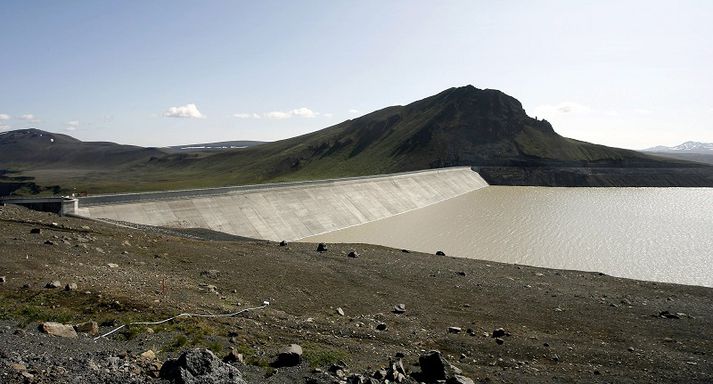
pixel 660 234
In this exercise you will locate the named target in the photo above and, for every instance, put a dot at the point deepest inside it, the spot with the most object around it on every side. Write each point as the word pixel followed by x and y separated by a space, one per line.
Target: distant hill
pixel 482 128
pixel 34 148
pixel 687 147
pixel 689 151
pixel 486 129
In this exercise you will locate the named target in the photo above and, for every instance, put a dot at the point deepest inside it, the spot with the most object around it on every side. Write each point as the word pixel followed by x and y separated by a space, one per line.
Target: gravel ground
pixel 561 326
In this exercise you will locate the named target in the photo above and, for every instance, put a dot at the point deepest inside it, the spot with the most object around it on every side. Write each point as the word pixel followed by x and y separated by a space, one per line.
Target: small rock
pixel 3 279
pixel 499 332
pixel 53 284
pixel 70 287
pixel 211 273
pixel 460 273
pixel 148 355
pixel 58 329
pixel 381 327
pixel 49 242
pixel 405 251
pixel 234 357
pixel 399 308
pixel 283 243
pixel 454 329
pixel 669 315
pixel 440 253
pixel 499 340
pixel 112 265
pixel 36 230
pixel 340 311
pixel 353 254
pixel 458 379
pixel 90 327
pixel 321 247
pixel 289 356
pixel 630 349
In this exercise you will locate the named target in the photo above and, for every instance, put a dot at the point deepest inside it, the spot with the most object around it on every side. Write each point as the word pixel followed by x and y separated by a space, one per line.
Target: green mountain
pixel 485 129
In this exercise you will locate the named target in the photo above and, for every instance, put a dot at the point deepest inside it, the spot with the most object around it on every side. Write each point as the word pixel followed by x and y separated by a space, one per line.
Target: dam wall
pixel 286 211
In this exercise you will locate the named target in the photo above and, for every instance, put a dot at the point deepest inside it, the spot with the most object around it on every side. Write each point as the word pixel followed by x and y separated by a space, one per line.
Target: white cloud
pixel 303 112
pixel 353 111
pixel 72 125
pixel 298 112
pixel 565 107
pixel 277 115
pixel 247 115
pixel 4 116
pixel 188 111
pixel 328 115
pixel 642 111
pixel 4 127
pixel 29 117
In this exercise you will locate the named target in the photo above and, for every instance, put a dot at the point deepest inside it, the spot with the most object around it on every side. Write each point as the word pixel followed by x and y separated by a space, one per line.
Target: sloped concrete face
pixel 291 211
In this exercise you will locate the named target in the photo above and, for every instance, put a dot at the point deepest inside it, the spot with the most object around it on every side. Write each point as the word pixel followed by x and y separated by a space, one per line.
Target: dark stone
pixel 381 327
pixel 499 341
pixel 435 367
pixel 399 308
pixel 405 251
pixel 440 253
pixel 283 243
pixel 353 254
pixel 36 230
pixel 288 356
pixel 199 366
pixel 499 332
pixel 321 247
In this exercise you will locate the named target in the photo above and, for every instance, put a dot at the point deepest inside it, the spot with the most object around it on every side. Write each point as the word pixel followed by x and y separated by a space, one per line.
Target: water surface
pixel 660 234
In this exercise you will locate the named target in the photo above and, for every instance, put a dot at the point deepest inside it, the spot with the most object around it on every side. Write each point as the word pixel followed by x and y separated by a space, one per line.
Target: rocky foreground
pixel 345 314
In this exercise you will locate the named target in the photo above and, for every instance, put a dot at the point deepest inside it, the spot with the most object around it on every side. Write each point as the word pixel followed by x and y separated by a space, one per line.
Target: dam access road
pixel 286 211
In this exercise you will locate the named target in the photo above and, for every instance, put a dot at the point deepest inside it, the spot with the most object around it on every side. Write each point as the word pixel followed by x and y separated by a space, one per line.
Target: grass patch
pixel 319 355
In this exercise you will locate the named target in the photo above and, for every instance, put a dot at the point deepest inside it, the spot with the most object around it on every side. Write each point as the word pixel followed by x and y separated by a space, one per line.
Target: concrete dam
pixel 286 211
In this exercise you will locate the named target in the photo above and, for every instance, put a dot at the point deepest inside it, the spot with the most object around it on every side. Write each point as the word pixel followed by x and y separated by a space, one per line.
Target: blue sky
pixel 632 74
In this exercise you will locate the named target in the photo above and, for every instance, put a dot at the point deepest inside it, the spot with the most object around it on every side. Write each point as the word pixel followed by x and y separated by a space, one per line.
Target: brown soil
pixel 563 326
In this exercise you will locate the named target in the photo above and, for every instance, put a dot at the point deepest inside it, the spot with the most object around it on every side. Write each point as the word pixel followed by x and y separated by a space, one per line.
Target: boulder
pixel 58 329
pixel 3 279
pixel 90 327
pixel 148 355
pixel 381 327
pixel 499 332
pixel 454 329
pixel 199 366
pixel 440 253
pixel 36 230
pixel 340 311
pixel 321 247
pixel 289 356
pixel 70 287
pixel 53 284
pixel 435 367
pixel 399 308
pixel 353 254
pixel 234 357
pixel 283 243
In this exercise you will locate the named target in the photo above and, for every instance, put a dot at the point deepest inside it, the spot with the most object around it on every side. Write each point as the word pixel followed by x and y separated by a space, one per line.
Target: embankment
pixel 287 211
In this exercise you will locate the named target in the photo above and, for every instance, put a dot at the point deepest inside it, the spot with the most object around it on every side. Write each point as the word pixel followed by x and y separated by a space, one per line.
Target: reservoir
pixel 658 234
